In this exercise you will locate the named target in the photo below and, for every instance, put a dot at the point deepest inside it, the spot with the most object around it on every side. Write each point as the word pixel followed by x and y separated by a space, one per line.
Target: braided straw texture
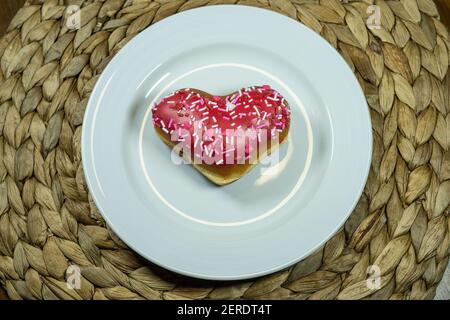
pixel 48 220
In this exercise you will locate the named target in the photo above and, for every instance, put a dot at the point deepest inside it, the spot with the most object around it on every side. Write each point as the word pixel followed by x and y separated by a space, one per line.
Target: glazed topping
pixel 210 126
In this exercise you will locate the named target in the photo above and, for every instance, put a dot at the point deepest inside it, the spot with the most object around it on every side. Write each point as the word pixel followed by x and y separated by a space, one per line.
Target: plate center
pixel 255 196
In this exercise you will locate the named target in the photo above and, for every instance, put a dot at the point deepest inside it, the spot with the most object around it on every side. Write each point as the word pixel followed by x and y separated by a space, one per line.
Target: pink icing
pixel 183 113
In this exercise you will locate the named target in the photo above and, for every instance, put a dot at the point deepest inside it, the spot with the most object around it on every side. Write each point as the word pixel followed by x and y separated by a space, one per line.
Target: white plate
pixel 265 221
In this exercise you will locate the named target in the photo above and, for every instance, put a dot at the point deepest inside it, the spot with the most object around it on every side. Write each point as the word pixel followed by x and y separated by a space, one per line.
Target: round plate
pixel 275 215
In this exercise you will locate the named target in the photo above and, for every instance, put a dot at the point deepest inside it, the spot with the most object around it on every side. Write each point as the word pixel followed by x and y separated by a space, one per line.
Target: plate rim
pixel 87 165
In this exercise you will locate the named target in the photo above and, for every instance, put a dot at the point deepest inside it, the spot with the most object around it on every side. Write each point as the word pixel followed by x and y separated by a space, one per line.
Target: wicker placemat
pixel 48 220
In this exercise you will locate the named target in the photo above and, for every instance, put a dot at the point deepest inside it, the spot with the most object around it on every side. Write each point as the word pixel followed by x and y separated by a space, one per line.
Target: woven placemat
pixel 48 220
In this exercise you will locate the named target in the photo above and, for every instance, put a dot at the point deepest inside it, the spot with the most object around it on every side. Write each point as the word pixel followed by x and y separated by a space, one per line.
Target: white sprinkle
pixel 165 130
pixel 196 141
pixel 257 111
pixel 214 119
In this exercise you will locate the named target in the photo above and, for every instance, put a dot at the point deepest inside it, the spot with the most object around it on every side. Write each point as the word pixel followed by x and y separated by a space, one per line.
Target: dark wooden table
pixel 444 10
pixel 7 10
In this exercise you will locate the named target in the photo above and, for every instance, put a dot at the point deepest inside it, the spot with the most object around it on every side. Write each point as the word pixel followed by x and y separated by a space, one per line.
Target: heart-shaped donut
pixel 223 136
